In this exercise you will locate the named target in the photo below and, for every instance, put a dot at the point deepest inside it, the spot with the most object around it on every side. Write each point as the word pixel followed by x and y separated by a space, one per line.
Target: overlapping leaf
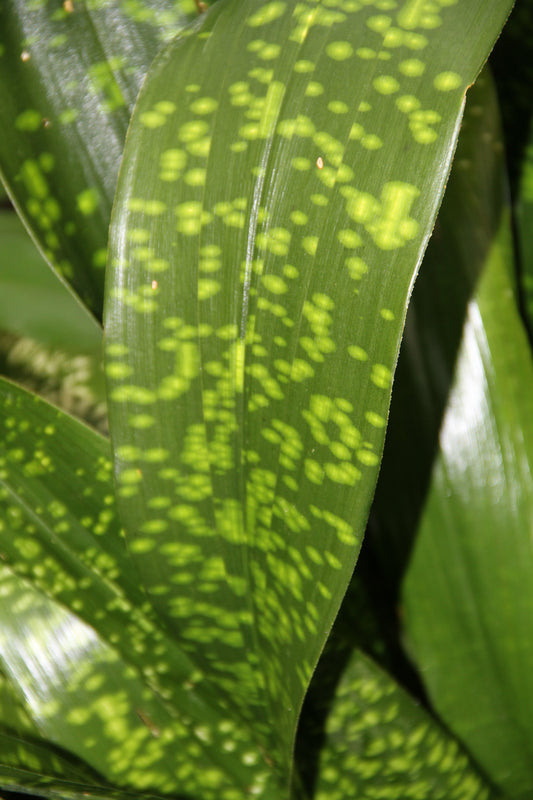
pixel 94 673
pixel 260 268
pixel 69 76
pixel 379 743
pixel 467 593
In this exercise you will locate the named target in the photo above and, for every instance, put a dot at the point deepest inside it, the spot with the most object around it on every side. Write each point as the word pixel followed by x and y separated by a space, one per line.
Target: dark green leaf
pixel 261 261
pixel 379 743
pixel 512 63
pixel 69 76
pixel 85 658
pixel 467 594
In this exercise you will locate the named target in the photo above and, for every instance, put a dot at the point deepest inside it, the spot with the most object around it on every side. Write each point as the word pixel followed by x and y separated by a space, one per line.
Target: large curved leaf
pixel 69 76
pixel 261 261
pixel 467 595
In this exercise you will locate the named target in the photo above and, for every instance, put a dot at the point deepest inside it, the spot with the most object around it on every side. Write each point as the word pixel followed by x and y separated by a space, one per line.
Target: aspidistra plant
pixel 280 179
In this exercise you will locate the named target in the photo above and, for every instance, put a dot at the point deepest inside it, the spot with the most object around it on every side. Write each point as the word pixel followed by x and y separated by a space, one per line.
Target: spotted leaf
pixel 69 75
pixel 89 670
pixel 377 740
pixel 261 261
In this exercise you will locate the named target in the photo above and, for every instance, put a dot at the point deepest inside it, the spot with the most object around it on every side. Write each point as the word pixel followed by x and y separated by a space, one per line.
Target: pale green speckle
pixel 385 84
pixel 412 67
pixel 370 141
pixel 379 23
pixel 274 284
pixel 290 271
pixel 367 457
pixel 416 41
pixel 387 221
pixel 152 119
pixel 344 473
pixel 407 103
pixel 304 66
pixel 207 288
pixel 310 244
pixel 447 81
pixel 268 13
pixel 204 105
pixel 301 164
pixel 87 201
pixel 339 51
pixel 349 238
pixel 34 179
pixel 299 217
pixel 195 177
pixel 29 121
pixel 165 107
pixel 68 116
pixel 138 235
pixel 193 130
pixel 366 53
pixel 357 352
pixel 376 420
pixel 117 370
pixel 381 376
pixel 141 421
pixel 338 107
pixel 314 89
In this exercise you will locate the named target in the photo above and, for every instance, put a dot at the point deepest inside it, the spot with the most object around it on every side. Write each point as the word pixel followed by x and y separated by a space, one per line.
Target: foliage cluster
pixel 241 199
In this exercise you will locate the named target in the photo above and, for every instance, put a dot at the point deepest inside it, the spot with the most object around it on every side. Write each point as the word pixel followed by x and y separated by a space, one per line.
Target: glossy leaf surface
pixel 93 672
pixel 377 739
pixel 69 76
pixel 261 261
pixel 467 593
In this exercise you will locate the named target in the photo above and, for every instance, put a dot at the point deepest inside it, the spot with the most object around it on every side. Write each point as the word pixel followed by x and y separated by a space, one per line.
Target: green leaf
pixel 21 748
pixel 92 669
pixel 59 354
pixel 69 76
pixel 467 592
pixel 512 63
pixel 261 261
pixel 29 290
pixel 379 743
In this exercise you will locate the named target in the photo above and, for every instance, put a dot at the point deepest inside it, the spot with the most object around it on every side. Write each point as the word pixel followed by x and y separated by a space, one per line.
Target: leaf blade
pixel 465 514
pixel 69 77
pixel 92 669
pixel 191 394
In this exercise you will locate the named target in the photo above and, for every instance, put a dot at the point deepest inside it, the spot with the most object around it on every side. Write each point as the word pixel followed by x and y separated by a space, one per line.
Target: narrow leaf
pixel 467 592
pixel 69 76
